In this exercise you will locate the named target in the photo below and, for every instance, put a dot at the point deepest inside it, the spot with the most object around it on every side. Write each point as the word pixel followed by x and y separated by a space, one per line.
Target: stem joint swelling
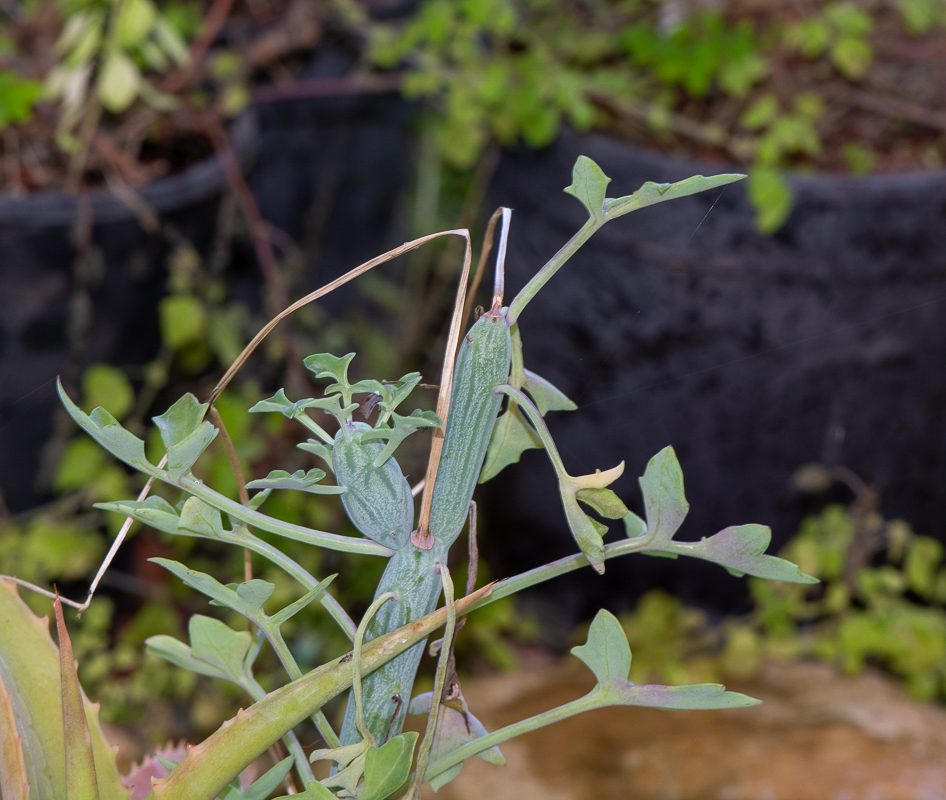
pixel 472 439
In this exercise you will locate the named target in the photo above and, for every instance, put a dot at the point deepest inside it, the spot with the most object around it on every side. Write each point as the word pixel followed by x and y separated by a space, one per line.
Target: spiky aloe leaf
pixel 13 782
pixel 80 763
pixel 30 670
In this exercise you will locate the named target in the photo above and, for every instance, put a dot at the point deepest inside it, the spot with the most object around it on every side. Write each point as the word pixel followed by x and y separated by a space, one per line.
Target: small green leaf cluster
pixel 17 97
pixel 841 32
pixel 105 48
pixel 699 55
pixel 891 611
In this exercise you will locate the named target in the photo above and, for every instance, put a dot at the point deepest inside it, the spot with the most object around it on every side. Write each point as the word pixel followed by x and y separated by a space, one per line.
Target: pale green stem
pixel 563 566
pixel 535 417
pixel 356 665
pixel 313 426
pixel 257 692
pixel 458 756
pixel 292 669
pixel 446 647
pixel 332 541
pixel 290 567
pixel 554 264
pixel 517 375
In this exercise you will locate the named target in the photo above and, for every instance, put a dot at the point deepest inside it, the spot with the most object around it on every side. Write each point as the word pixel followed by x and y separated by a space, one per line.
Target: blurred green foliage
pixel 17 98
pixel 881 602
pixel 515 70
pixel 891 613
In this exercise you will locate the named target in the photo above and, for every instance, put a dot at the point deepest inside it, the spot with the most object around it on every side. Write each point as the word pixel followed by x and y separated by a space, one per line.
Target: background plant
pixel 115 93
pixel 750 84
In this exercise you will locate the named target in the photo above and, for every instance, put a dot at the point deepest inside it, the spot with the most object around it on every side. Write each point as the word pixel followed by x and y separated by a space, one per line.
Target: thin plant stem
pixel 274 637
pixel 241 484
pixel 358 644
pixel 562 566
pixel 536 419
pixel 446 653
pixel 554 264
pixel 333 541
pixel 470 749
pixel 485 250
pixel 294 570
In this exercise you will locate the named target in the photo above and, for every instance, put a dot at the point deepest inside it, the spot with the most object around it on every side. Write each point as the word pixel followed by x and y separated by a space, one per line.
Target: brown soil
pixel 817 736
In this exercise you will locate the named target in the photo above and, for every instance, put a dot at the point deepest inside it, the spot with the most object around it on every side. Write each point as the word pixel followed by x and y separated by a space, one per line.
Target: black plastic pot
pixel 751 355
pixel 332 173
pixel 123 275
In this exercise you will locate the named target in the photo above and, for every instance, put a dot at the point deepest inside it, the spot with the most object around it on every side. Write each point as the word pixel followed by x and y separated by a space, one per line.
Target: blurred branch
pixel 328 87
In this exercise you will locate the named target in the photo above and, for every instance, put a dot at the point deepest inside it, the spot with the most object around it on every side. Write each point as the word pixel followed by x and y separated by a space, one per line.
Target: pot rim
pixel 193 185
pixel 813 185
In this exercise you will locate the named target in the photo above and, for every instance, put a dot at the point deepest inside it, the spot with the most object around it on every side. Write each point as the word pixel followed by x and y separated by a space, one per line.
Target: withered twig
pixel 213 22
pixel 895 107
pixel 277 296
pixel 241 483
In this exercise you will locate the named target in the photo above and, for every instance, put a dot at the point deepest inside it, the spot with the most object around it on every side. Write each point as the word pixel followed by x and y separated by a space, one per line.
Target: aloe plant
pixel 473 439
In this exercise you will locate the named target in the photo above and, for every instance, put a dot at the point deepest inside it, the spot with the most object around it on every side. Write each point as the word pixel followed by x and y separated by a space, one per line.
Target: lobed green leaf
pixel 652 193
pixel 184 434
pixel 545 395
pixel 741 549
pixel 511 437
pixel 299 480
pixel 589 185
pixel 107 431
pixel 608 655
pixel 664 500
pixel 179 654
pixel 201 518
pixel 606 652
pixel 155 512
pixel 218 645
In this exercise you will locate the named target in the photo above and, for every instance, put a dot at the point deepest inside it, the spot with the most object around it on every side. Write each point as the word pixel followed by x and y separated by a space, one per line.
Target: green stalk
pixel 257 692
pixel 554 264
pixel 274 637
pixel 563 566
pixel 356 655
pixel 461 754
pixel 293 569
pixel 344 544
